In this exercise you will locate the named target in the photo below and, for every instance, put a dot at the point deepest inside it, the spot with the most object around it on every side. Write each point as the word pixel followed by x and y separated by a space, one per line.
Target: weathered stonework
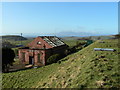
pixel 37 54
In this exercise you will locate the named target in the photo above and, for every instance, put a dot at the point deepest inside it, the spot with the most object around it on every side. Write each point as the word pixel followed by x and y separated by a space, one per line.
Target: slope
pixel 84 69
pixel 13 37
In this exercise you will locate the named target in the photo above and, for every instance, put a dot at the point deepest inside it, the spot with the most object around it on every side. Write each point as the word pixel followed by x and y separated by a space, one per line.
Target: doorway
pixel 31 60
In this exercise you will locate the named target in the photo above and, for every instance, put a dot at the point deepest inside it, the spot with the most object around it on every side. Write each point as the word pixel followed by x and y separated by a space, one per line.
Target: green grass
pixel 86 68
pixel 24 42
pixel 13 37
pixel 72 43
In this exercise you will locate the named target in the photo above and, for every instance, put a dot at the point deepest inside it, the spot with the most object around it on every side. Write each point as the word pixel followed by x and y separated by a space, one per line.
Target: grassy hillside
pixel 24 42
pixel 84 69
pixel 71 43
pixel 13 37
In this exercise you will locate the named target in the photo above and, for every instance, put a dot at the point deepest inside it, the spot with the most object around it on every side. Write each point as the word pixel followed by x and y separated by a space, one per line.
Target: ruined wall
pixel 34 53
pixel 34 44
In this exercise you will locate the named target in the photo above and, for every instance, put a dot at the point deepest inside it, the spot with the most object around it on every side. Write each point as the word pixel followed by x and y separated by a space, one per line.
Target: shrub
pixel 53 59
pixel 7 58
pixel 72 50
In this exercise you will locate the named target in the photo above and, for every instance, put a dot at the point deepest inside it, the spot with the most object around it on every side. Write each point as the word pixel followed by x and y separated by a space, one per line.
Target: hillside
pixel 84 69
pixel 89 37
pixel 13 37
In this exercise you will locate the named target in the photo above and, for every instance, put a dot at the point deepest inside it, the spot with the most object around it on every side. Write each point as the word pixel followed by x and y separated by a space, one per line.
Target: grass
pixel 85 69
pixel 24 42
pixel 72 43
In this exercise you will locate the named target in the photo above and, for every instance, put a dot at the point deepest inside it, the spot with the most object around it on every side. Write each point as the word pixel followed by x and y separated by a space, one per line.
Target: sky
pixel 59 17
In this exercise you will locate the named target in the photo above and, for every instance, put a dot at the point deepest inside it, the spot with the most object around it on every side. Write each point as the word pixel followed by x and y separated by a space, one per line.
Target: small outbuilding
pixel 40 49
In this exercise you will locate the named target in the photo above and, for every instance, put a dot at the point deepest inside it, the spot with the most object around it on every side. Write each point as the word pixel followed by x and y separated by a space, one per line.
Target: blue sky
pixel 55 17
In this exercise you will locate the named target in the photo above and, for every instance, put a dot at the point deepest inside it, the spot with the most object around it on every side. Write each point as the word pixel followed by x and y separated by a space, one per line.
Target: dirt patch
pixel 19 67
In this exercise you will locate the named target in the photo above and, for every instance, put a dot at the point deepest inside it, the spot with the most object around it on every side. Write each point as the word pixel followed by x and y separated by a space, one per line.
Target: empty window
pixel 23 57
pixel 39 58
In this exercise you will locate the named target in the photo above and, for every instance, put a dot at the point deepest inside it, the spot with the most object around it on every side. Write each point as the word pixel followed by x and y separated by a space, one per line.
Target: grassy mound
pixel 84 69
pixel 13 37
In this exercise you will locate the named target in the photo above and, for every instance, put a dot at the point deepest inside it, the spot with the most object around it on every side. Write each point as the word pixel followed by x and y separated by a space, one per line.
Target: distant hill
pixel 13 37
pixel 73 33
pixel 89 37
pixel 84 69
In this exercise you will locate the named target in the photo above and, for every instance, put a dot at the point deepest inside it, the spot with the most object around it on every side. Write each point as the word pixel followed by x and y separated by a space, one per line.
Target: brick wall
pixel 43 44
pixel 44 49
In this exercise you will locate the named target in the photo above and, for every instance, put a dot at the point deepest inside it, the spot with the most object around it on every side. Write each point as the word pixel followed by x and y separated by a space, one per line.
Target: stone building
pixel 40 49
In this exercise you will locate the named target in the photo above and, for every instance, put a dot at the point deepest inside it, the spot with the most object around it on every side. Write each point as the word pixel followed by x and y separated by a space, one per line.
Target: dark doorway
pixel 31 60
